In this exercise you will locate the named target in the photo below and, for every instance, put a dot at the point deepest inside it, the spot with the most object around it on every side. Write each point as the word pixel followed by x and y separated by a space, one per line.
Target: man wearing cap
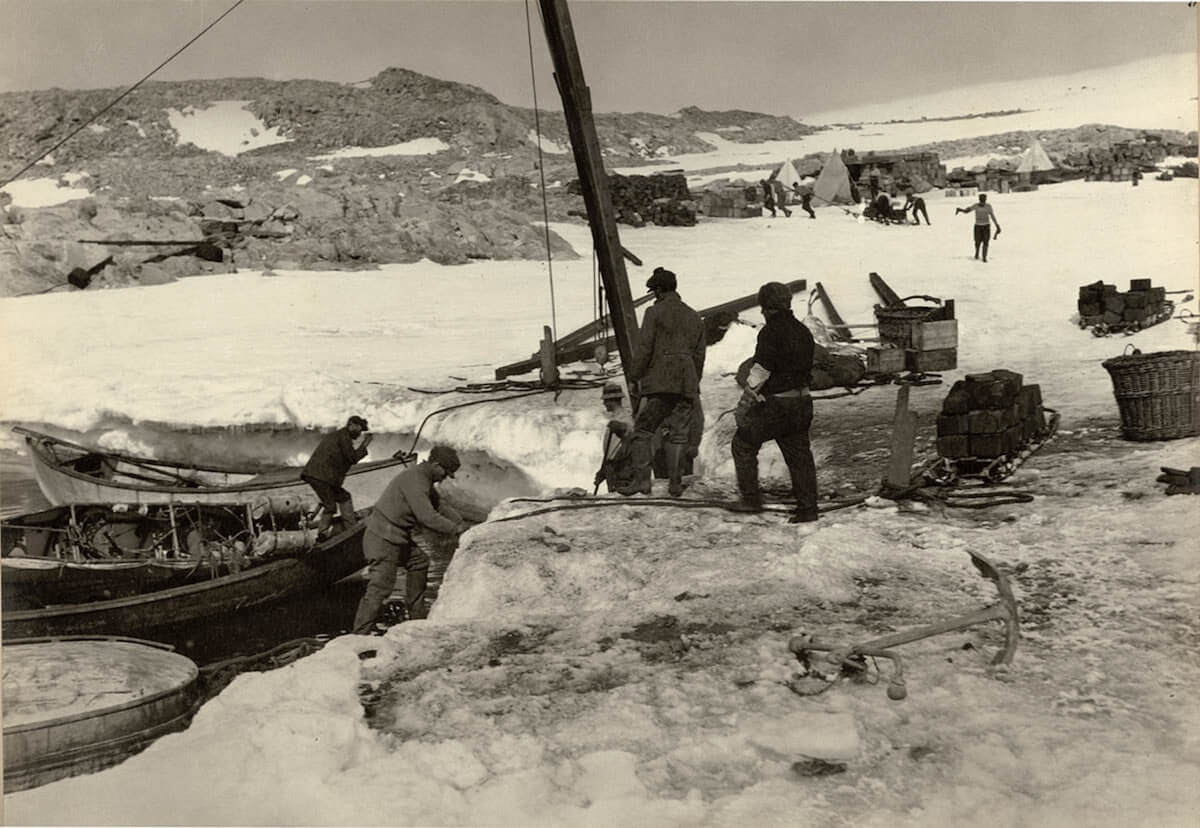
pixel 326 469
pixel 409 502
pixel 667 367
pixel 615 466
pixel 776 405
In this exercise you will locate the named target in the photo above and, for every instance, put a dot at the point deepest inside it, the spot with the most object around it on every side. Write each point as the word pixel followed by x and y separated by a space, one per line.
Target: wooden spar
pixel 890 298
pixel 571 348
pixel 577 108
pixel 839 327
pixel 580 335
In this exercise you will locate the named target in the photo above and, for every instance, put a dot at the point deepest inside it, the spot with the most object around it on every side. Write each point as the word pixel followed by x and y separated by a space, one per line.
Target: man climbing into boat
pixel 776 405
pixel 326 470
pixel 409 502
pixel 667 368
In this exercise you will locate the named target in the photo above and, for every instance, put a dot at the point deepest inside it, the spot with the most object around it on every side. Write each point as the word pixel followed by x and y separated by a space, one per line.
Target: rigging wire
pixel 122 96
pixel 537 124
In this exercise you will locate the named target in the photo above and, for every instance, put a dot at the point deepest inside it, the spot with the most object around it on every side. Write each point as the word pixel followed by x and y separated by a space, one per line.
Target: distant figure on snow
pixel 917 205
pixel 805 196
pixel 984 216
pixel 409 502
pixel 327 467
pixel 769 200
pixel 667 367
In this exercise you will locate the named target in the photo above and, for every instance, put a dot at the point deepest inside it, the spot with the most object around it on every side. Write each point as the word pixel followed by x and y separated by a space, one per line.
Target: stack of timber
pixel 1104 310
pixel 921 339
pixel 662 199
pixel 731 202
pixel 989 423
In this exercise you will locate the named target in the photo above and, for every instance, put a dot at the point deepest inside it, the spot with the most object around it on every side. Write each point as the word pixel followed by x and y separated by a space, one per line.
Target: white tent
pixel 833 184
pixel 1035 159
pixel 787 175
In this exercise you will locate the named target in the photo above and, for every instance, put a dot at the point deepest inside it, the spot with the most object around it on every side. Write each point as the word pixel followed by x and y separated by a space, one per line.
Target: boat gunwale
pixel 60 611
pixel 46 462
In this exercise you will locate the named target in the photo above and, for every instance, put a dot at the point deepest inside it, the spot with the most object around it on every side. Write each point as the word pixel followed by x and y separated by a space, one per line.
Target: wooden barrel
pixel 75 705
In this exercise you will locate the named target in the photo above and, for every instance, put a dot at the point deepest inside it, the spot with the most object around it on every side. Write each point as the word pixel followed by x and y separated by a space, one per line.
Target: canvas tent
pixel 787 175
pixel 1034 159
pixel 833 184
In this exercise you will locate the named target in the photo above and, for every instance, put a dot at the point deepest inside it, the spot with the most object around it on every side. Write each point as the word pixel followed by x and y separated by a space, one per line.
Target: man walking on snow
pixel 667 368
pixel 409 501
pixel 984 216
pixel 776 405
pixel 327 467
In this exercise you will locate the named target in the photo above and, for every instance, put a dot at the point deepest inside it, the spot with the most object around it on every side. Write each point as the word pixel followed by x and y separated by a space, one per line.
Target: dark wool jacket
pixel 333 457
pixel 670 356
pixel 785 348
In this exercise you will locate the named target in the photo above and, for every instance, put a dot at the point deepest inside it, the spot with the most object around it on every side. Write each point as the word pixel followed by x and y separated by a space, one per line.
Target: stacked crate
pixel 731 202
pixel 1140 306
pixel 927 338
pixel 989 415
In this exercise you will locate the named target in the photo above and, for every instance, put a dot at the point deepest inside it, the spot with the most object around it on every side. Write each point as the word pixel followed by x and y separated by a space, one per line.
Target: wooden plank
pixel 567 352
pixel 904 431
pixel 582 334
pixel 838 326
pixel 890 298
pixel 549 370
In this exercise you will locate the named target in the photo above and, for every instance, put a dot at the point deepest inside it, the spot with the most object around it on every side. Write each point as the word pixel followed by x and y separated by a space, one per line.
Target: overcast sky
pixel 786 58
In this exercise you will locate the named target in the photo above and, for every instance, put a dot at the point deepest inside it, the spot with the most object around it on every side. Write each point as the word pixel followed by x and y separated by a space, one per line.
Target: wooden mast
pixel 577 107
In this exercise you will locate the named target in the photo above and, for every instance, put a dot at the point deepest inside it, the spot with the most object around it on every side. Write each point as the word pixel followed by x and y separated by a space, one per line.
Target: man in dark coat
pixel 667 368
pixel 409 501
pixel 326 469
pixel 777 405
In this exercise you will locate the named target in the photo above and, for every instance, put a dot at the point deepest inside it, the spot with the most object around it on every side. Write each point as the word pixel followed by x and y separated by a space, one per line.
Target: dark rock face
pixel 323 214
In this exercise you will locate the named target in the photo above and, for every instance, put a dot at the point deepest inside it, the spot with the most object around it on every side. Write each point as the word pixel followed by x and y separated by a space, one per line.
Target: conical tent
pixel 1035 159
pixel 833 184
pixel 787 174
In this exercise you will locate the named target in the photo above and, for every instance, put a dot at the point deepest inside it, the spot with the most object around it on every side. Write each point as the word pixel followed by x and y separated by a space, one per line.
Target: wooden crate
pixel 885 360
pixel 936 336
pixel 945 359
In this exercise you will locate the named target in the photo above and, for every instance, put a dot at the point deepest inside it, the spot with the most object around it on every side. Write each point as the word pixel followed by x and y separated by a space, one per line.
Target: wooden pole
pixel 904 431
pixel 577 107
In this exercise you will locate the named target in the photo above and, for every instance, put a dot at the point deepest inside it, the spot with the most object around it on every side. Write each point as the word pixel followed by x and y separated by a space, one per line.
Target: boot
pixel 748 504
pixel 640 459
pixel 675 453
pixel 324 523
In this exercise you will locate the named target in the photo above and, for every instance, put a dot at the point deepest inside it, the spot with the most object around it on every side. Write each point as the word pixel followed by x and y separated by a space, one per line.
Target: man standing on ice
pixel 984 216
pixel 409 501
pixel 776 405
pixel 326 470
pixel 667 369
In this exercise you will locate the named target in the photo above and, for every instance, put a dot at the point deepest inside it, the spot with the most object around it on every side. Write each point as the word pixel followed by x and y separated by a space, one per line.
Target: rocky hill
pixel 279 205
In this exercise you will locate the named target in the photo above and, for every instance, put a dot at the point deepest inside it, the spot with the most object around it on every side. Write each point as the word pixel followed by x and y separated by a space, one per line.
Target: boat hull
pixel 112 479
pixel 140 615
pixel 48 735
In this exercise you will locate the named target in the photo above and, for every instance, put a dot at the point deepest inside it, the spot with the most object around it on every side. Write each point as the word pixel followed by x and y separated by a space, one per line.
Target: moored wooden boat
pixel 67 472
pixel 76 705
pixel 95 570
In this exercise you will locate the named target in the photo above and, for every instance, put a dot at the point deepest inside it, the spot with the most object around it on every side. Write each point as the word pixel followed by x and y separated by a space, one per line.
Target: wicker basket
pixel 1158 394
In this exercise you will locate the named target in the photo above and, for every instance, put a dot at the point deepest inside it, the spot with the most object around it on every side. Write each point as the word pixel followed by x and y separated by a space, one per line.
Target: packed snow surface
pixel 42 192
pixel 417 146
pixel 227 127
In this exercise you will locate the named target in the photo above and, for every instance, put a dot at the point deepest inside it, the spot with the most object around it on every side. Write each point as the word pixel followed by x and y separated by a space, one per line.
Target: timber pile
pixel 661 199
pixel 989 415
pixel 1106 310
